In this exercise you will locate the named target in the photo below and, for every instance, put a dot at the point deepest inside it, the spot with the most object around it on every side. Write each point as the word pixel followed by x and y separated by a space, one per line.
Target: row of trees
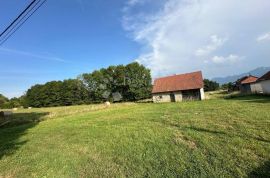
pixel 115 83
pixel 3 100
pixel 6 103
pixel 210 85
pixel 57 93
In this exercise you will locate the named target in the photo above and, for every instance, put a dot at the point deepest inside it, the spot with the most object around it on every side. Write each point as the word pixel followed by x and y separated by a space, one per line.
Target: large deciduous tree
pixel 129 83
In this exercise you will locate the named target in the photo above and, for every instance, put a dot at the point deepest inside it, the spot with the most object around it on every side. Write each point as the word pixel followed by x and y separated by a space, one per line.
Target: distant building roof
pixel 265 76
pixel 249 79
pixel 180 82
pixel 241 79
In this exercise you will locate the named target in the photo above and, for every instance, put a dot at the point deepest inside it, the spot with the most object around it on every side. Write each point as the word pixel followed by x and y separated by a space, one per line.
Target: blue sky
pixel 62 40
pixel 68 37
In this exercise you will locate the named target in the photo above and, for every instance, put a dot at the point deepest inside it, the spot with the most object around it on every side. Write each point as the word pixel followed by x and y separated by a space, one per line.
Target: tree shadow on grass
pixel 13 128
pixel 245 136
pixel 256 98
pixel 206 130
pixel 198 129
pixel 262 171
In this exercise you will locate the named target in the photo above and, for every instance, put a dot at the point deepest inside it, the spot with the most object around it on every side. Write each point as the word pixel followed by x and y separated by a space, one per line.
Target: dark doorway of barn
pixel 245 88
pixel 190 95
pixel 172 96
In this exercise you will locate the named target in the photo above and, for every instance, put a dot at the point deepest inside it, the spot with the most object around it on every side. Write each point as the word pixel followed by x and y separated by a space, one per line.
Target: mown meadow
pixel 213 138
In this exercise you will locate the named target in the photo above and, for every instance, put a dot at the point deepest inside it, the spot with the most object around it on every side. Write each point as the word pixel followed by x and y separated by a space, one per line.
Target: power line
pixel 10 32
pixel 17 23
pixel 18 16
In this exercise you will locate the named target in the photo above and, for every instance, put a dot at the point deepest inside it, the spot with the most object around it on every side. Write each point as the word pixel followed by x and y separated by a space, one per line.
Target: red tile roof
pixel 180 82
pixel 241 79
pixel 265 76
pixel 249 79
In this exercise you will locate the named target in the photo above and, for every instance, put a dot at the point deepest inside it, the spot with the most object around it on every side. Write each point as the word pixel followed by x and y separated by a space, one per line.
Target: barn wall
pixel 161 97
pixel 178 96
pixel 256 88
pixel 165 97
pixel 202 94
pixel 197 94
pixel 265 86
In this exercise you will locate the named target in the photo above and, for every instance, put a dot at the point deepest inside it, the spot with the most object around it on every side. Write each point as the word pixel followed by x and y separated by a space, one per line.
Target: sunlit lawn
pixel 213 138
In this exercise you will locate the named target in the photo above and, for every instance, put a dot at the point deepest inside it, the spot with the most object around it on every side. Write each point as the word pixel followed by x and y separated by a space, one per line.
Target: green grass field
pixel 212 138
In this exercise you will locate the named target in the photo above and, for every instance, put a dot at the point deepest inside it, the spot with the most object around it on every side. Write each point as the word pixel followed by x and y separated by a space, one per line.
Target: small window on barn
pixel 160 97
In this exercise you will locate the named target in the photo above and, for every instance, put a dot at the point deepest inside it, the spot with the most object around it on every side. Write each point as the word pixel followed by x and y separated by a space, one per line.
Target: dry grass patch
pixel 179 138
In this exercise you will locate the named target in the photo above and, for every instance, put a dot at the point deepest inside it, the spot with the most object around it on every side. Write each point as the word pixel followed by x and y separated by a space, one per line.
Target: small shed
pixel 178 88
pixel 246 84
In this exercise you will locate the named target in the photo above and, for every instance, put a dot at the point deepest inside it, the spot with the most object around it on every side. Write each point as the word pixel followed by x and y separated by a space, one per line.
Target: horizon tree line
pixel 120 83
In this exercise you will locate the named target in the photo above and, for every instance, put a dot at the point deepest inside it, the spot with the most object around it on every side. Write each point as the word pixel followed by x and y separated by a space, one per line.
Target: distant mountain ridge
pixel 256 72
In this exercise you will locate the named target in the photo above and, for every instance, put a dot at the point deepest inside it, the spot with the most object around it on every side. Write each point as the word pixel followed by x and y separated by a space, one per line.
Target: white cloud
pixel 33 55
pixel 229 59
pixel 216 42
pixel 264 37
pixel 175 38
pixel 133 2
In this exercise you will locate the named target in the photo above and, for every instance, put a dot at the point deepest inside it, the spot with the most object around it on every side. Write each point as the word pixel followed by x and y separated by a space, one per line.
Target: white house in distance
pixel 178 88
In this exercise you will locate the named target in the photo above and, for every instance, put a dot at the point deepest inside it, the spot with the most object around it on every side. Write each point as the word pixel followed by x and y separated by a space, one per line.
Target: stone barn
pixel 176 88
